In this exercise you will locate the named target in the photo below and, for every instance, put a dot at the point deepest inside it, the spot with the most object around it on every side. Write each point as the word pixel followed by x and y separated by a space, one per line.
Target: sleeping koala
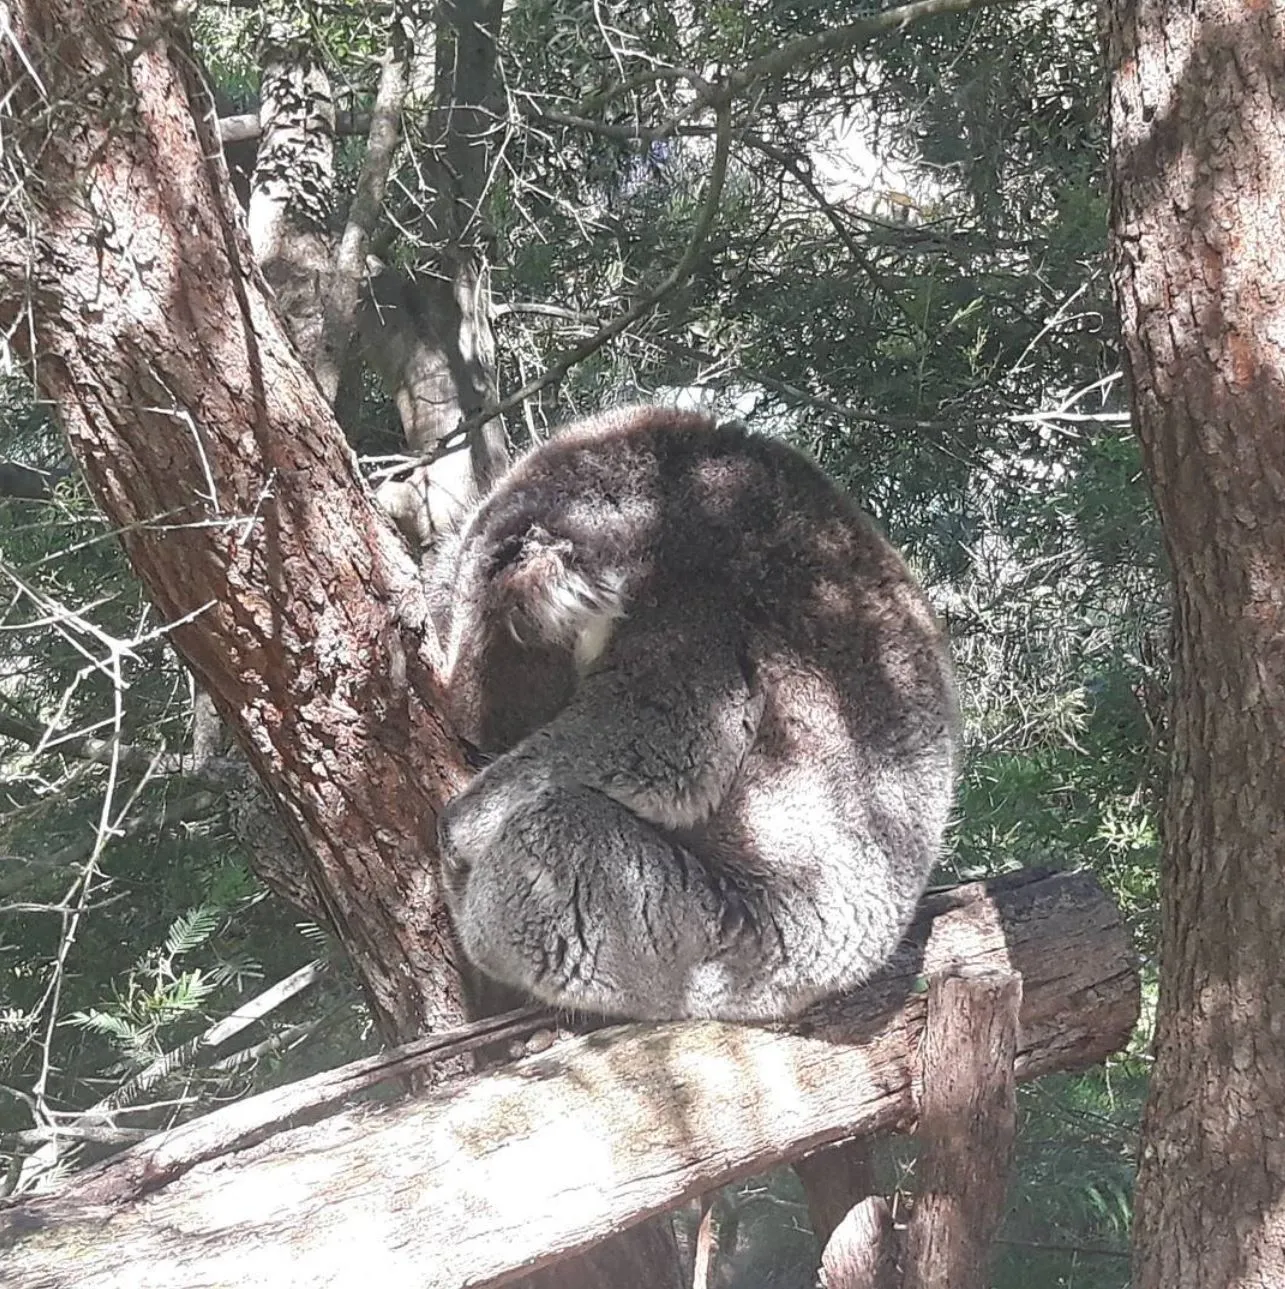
pixel 723 723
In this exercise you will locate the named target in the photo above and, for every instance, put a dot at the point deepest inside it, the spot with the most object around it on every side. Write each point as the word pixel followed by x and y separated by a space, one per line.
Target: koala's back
pixel 724 719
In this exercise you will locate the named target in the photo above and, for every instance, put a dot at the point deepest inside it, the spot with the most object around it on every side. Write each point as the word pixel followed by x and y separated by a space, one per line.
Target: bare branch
pixel 845 39
pixel 245 126
pixel 791 162
pixel 26 482
pixel 101 1133
pixel 565 1148
pixel 216 771
pixel 833 41
pixel 644 304
pixel 197 805
pixel 237 1126
pixel 340 309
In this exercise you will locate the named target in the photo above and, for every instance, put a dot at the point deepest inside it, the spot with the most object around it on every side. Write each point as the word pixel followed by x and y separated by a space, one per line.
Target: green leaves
pixel 190 931
pixel 159 992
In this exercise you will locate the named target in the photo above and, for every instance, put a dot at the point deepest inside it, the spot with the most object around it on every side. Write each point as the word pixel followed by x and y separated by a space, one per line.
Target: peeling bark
pixel 430 337
pixel 430 340
pixel 967 1121
pixel 292 188
pixel 344 287
pixel 861 1252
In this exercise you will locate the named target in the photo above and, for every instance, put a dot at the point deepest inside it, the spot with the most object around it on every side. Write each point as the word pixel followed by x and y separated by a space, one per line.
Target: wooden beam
pixel 967 1121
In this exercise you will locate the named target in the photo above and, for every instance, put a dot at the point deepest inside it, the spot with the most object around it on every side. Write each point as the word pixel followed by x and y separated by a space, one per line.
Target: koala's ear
pixel 545 591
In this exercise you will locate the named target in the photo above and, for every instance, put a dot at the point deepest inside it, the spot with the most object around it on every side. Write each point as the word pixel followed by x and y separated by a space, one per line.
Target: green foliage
pixel 157 994
pixel 1070 1198
pixel 1057 627
pixel 915 367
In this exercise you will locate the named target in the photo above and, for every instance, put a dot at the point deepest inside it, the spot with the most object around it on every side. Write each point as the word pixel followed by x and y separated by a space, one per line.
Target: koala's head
pixel 526 618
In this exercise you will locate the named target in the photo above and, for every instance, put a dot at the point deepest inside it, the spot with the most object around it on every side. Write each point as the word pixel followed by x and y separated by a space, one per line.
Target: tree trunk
pixel 292 190
pixel 861 1252
pixel 430 336
pixel 496 1173
pixel 131 286
pixel 210 446
pixel 835 1180
pixel 1198 172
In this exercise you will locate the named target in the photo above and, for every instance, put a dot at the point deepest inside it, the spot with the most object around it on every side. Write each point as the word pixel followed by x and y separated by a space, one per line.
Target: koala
pixel 722 721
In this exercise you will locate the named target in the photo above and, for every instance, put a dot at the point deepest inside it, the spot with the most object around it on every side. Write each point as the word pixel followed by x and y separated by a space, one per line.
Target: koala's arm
pixel 557 878
pixel 662 728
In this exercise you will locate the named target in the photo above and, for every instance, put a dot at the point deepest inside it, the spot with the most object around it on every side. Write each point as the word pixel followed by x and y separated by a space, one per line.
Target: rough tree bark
pixel 292 189
pixel 427 335
pixel 489 1175
pixel 967 1121
pixel 1198 186
pixel 430 336
pixel 210 446
pixel 130 282
pixel 128 279
pixel 835 1180
pixel 861 1252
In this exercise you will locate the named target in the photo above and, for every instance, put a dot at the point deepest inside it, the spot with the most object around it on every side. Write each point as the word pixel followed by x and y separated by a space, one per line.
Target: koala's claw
pixel 454 861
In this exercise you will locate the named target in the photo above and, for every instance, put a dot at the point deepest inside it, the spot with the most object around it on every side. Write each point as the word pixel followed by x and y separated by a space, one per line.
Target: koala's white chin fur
pixel 594 638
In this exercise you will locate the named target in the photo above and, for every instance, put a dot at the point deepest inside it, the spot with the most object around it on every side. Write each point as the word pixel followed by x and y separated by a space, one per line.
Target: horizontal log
pixel 495 1174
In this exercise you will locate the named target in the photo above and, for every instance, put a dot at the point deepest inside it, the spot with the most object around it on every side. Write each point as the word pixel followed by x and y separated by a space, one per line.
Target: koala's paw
pixel 473 824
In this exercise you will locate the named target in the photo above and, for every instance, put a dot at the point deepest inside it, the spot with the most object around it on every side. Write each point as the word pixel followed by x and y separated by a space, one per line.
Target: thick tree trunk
pixel 430 339
pixel 861 1252
pixel 207 442
pixel 835 1181
pixel 1198 170
pixel 480 1179
pixel 132 285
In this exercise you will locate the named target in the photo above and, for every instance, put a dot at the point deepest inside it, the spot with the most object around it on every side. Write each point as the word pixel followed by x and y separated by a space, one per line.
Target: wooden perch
pixel 495 1174
pixel 967 1122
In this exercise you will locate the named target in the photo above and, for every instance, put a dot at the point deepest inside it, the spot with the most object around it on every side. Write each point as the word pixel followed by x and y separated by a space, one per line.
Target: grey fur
pixel 725 723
